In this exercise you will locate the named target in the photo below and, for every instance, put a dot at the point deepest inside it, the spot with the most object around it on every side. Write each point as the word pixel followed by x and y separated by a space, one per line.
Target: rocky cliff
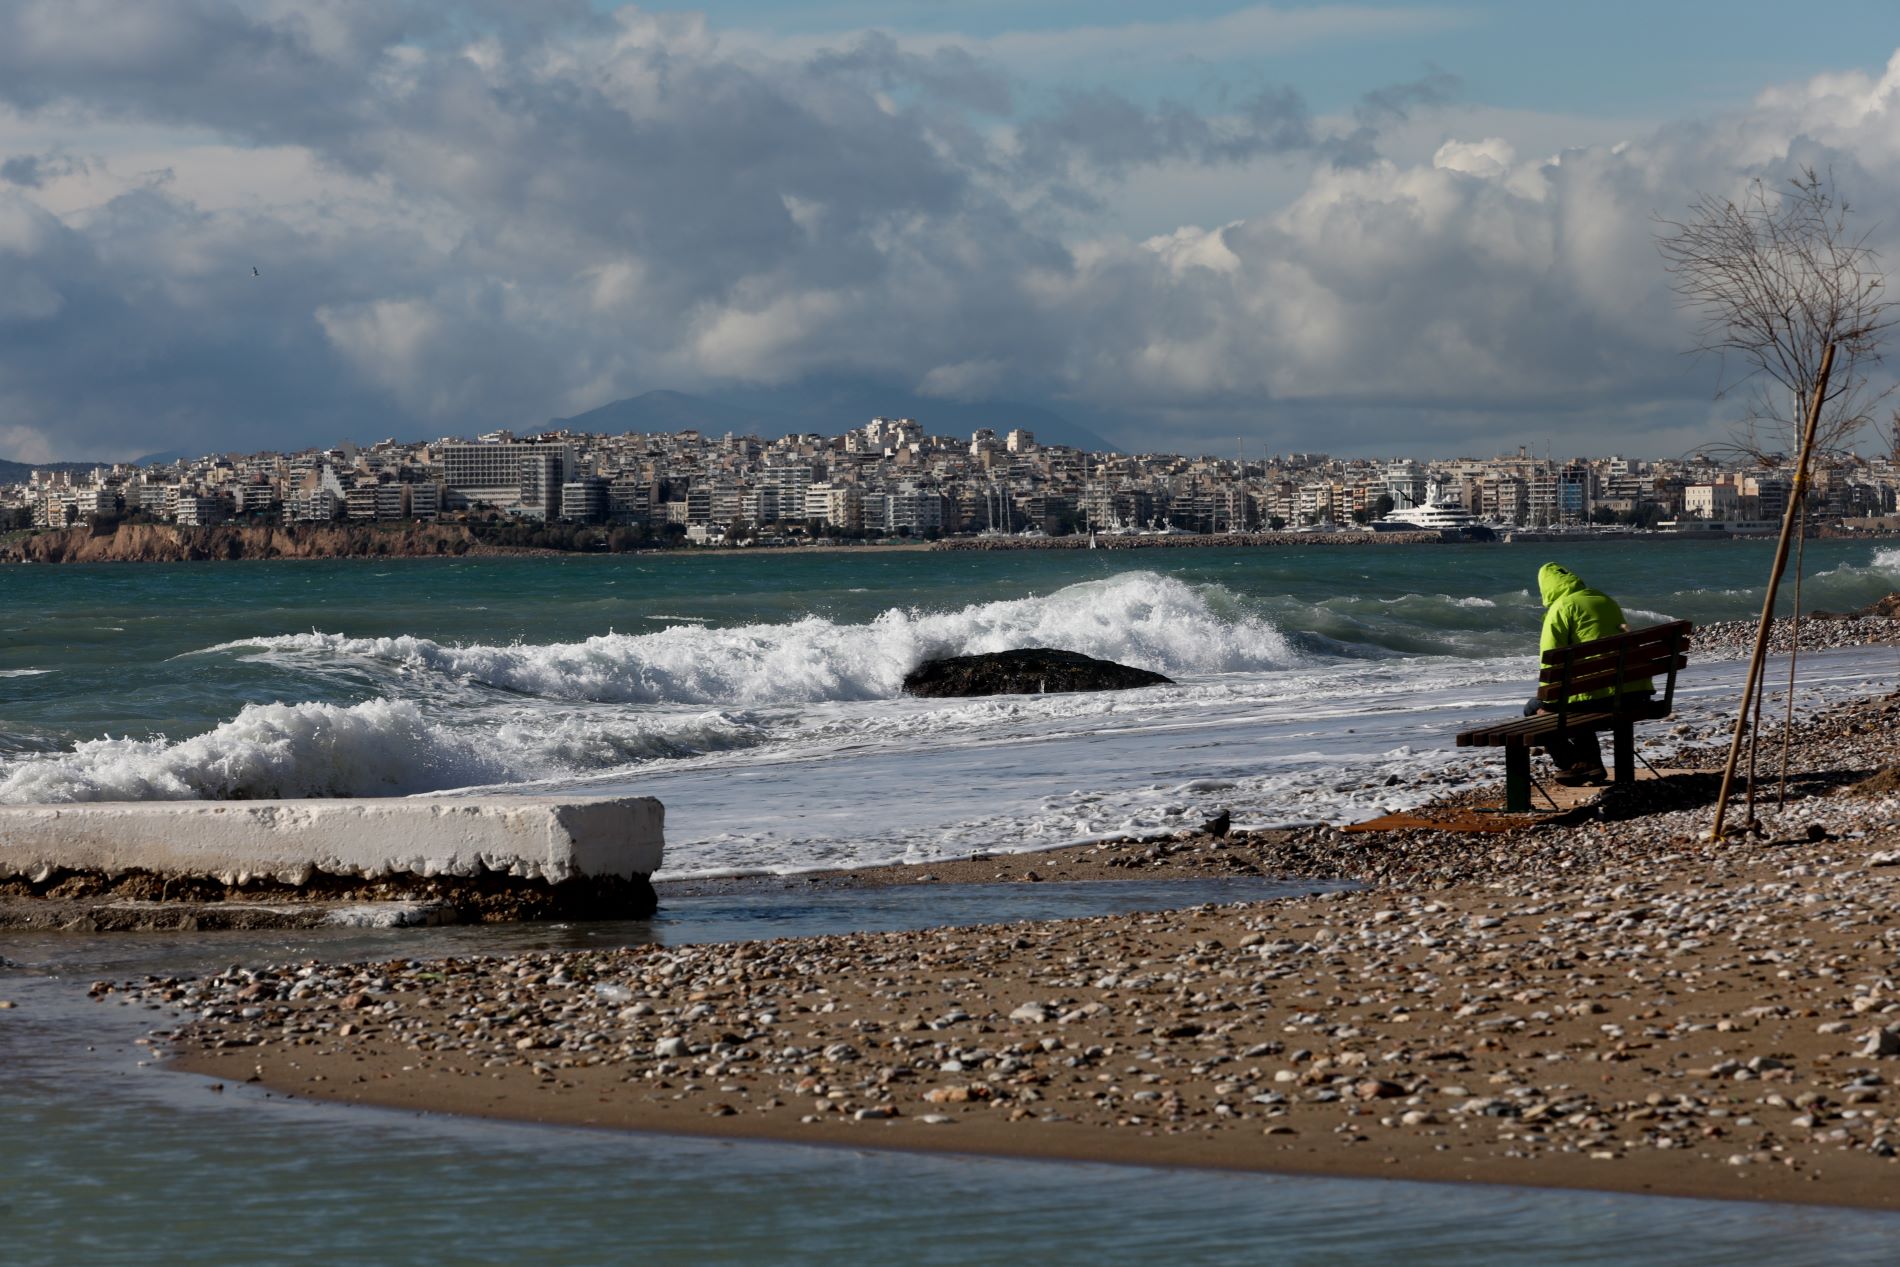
pixel 168 543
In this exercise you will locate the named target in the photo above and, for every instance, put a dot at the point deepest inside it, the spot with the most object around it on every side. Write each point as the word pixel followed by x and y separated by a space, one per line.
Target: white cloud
pixel 458 233
pixel 1254 31
pixel 24 444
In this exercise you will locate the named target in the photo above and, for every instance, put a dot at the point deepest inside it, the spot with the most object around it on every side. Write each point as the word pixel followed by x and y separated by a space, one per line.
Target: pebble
pixel 1532 993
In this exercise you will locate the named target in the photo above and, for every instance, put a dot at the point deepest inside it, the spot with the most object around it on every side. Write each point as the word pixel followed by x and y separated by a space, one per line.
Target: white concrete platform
pixel 234 842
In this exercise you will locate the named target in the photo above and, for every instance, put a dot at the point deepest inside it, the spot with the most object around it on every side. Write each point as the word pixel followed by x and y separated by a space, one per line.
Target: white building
pixel 585 500
pixel 493 474
pixel 425 500
pixel 199 510
pixel 1711 501
pixel 838 505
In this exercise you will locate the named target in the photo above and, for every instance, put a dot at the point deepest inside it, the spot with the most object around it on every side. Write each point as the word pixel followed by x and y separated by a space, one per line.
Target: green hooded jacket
pixel 1573 613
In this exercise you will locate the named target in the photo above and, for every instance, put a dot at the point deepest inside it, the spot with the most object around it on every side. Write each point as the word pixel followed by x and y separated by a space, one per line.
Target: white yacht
pixel 1429 517
pixel 1435 514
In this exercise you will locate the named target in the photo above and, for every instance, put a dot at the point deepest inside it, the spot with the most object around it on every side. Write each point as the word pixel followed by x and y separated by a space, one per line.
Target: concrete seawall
pixel 292 841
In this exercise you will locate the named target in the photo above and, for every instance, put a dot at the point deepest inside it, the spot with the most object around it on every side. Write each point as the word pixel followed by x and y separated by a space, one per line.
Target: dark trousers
pixel 1569 751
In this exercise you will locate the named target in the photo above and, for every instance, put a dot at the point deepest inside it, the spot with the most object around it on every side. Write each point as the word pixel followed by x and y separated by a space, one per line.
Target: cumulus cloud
pixel 1250 31
pixel 498 213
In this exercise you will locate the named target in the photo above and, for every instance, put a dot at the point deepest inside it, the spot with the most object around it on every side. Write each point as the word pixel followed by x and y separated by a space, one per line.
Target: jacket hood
pixel 1554 580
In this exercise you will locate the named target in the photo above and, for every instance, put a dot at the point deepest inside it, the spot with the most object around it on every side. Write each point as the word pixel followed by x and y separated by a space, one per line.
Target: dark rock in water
pixel 1029 671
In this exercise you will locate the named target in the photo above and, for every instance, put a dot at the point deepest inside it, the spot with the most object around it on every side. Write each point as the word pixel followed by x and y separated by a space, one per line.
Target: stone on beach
pixel 1599 1002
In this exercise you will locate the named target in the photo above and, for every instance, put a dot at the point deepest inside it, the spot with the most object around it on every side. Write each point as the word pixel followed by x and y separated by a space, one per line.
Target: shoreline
pixel 383 540
pixel 1602 1003
pixel 370 541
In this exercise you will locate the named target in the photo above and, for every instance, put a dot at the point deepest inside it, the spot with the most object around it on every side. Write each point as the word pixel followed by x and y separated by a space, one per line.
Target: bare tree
pixel 1777 277
pixel 1784 286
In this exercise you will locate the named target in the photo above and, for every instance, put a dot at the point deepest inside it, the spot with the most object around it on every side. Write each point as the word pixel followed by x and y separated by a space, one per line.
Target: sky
pixel 1382 228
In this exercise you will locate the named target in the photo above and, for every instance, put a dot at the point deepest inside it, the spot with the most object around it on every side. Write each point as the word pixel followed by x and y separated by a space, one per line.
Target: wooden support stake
pixel 1760 656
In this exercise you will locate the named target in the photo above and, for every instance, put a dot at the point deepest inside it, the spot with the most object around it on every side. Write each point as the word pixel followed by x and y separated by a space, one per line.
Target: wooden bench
pixel 1656 652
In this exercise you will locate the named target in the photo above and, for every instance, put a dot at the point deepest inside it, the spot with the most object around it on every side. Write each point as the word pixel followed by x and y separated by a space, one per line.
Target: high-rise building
pixel 543 472
pixel 497 474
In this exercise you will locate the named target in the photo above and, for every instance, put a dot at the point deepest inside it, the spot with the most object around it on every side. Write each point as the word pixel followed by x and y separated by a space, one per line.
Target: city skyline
pixel 895 477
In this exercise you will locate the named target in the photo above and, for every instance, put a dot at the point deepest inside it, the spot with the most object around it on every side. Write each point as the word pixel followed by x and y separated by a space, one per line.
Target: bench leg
pixel 1517 778
pixel 1626 752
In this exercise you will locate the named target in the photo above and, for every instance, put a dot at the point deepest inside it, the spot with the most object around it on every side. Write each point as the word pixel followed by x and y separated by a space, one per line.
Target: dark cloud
pixel 947 74
pixel 524 211
pixel 1397 102
pixel 1106 131
pixel 36 171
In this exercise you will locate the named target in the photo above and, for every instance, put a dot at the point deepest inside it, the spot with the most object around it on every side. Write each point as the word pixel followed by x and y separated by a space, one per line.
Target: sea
pixel 759 696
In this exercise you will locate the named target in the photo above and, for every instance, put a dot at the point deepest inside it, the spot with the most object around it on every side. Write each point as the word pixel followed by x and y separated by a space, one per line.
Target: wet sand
pixel 1602 1002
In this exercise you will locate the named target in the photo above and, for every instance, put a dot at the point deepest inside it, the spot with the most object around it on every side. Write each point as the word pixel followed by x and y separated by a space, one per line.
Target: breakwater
pixel 1196 540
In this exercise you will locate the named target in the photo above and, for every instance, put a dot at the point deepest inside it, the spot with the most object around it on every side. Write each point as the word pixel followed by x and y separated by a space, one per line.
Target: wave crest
pixel 1140 618
pixel 376 748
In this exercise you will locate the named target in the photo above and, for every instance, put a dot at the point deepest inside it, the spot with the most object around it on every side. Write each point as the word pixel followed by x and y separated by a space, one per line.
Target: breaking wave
pixel 1139 618
pixel 376 748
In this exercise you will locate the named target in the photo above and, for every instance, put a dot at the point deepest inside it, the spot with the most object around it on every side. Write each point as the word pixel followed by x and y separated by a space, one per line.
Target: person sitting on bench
pixel 1573 613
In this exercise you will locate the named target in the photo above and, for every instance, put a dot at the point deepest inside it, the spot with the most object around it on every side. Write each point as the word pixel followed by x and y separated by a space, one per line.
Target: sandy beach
pixel 1605 1001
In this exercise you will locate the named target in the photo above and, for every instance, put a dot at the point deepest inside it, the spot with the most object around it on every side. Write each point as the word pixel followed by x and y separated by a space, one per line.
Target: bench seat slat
pixel 1676 632
pixel 1529 728
pixel 1604 662
pixel 1646 663
pixel 1658 652
pixel 1581 683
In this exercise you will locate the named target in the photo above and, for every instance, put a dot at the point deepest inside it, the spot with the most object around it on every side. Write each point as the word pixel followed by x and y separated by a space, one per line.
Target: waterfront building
pixel 585 500
pixel 1712 501
pixel 543 470
pixel 505 473
pixel 199 510
pixel 424 499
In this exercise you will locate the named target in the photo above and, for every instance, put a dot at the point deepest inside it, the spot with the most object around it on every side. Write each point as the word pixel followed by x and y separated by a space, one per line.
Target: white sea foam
pixel 1138 618
pixel 1885 564
pixel 376 748
pixel 1338 743
pixel 25 672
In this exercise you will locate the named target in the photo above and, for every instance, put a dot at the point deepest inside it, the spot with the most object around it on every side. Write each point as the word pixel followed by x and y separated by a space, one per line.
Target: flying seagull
pixel 254 272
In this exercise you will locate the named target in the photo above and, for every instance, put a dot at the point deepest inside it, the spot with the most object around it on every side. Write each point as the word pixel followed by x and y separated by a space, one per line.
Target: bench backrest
pixel 1610 662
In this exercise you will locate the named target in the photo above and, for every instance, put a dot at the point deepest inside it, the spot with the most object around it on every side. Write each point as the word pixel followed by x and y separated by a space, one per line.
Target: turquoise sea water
pixel 127 649
pixel 760 695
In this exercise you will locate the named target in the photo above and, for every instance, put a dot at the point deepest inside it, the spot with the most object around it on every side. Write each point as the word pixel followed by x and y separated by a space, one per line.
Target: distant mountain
pixel 20 472
pixel 826 408
pixel 675 411
pixel 165 458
